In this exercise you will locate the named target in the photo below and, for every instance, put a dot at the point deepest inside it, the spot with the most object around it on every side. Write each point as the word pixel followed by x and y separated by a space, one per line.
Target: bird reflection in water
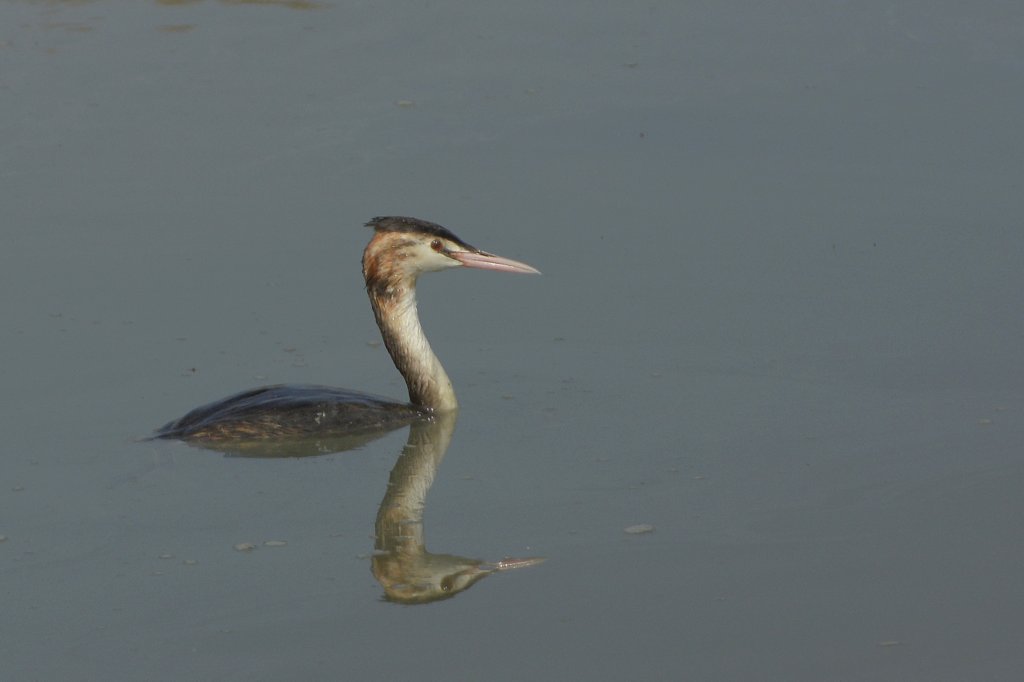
pixel 401 563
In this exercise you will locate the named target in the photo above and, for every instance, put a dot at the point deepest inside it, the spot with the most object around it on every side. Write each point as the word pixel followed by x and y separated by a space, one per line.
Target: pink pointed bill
pixel 488 261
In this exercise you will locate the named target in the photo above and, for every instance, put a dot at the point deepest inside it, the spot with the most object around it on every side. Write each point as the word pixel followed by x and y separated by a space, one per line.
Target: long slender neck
pixel 394 306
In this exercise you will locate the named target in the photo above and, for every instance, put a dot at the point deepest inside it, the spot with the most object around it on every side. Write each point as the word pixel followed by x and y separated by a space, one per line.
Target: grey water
pixel 778 330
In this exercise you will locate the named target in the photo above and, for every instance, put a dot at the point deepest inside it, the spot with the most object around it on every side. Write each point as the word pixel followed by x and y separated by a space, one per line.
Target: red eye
pixel 436 245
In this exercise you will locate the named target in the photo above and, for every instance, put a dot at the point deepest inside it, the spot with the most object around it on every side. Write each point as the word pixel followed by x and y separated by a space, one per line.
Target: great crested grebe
pixel 400 251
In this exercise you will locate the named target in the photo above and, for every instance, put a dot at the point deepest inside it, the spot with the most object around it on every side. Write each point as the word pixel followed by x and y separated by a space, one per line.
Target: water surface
pixel 779 322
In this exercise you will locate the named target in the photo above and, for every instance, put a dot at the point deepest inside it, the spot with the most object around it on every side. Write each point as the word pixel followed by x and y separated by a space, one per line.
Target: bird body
pixel 400 251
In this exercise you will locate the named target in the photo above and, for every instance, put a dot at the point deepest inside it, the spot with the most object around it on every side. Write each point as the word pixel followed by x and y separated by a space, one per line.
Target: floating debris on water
pixel 639 529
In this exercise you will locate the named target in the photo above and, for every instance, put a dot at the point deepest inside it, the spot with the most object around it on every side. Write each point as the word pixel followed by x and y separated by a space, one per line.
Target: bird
pixel 402 248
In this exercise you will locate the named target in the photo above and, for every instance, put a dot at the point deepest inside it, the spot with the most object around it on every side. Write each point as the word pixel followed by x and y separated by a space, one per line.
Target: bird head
pixel 404 248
